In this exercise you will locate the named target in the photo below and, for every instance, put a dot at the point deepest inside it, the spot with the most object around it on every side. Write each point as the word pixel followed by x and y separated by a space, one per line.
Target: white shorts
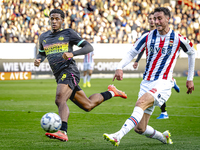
pixel 159 89
pixel 88 66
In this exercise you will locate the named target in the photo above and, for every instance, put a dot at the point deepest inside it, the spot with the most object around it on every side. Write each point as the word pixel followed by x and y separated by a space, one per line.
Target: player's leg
pixel 161 94
pixel 141 126
pixel 176 87
pixel 163 114
pixel 151 93
pixel 66 80
pixel 85 70
pixel 144 102
pixel 144 129
pixel 87 104
pixel 84 78
pixel 89 78
pixel 90 70
pixel 63 93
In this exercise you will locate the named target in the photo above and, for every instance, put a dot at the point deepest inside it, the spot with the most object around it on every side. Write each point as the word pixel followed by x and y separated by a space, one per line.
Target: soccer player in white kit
pixel 152 26
pixel 163 46
pixel 88 66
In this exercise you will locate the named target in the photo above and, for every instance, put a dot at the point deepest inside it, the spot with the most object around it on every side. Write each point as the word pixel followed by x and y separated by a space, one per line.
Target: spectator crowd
pixel 98 21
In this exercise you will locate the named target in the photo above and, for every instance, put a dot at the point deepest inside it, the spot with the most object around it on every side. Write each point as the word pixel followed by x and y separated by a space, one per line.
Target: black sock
pixel 64 126
pixel 163 108
pixel 106 95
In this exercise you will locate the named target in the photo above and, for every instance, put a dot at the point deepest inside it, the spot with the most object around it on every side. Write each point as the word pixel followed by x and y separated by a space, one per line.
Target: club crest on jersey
pixel 171 42
pixel 61 38
pixel 44 41
pixel 64 76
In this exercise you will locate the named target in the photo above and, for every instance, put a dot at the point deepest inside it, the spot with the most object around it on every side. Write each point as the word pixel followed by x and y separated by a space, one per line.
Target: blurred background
pixel 111 26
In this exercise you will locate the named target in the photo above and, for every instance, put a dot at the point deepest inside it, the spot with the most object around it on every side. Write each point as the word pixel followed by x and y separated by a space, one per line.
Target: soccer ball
pixel 51 122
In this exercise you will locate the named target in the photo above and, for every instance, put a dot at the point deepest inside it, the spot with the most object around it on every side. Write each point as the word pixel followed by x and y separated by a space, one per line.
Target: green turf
pixel 23 103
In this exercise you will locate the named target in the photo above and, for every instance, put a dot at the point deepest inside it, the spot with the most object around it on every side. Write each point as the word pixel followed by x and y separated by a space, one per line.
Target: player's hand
pixel 135 65
pixel 37 62
pixel 190 87
pixel 118 74
pixel 67 55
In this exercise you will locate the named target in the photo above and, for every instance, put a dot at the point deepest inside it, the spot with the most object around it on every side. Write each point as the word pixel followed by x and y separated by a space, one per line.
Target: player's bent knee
pixel 144 103
pixel 140 103
pixel 59 100
pixel 87 108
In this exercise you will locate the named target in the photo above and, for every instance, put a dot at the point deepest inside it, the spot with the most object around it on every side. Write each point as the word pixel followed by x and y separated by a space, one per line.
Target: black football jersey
pixel 55 44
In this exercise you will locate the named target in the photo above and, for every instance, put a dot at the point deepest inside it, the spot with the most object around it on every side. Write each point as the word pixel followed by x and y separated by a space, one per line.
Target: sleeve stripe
pixel 41 50
pixel 141 42
pixel 80 42
pixel 183 47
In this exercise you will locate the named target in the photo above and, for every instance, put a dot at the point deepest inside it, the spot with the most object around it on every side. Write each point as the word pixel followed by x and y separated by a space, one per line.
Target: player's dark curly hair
pixel 58 11
pixel 165 10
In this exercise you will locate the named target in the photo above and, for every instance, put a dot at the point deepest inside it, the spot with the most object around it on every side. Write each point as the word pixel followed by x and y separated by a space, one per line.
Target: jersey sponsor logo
pixel 61 38
pixel 169 50
pixel 56 48
pixel 163 50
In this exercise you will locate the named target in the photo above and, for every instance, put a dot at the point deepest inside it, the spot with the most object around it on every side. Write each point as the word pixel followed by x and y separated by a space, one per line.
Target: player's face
pixel 161 22
pixel 151 20
pixel 56 21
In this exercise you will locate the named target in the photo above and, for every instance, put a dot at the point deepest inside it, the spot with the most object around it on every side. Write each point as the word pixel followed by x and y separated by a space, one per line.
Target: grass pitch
pixel 23 103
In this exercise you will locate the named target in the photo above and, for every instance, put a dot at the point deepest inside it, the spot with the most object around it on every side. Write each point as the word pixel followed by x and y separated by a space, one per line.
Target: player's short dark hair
pixel 58 11
pixel 152 13
pixel 165 10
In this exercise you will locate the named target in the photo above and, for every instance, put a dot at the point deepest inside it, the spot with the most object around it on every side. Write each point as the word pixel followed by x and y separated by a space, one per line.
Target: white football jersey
pixel 162 52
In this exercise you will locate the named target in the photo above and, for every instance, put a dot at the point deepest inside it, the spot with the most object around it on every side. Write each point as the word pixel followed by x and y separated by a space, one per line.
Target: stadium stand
pixel 99 21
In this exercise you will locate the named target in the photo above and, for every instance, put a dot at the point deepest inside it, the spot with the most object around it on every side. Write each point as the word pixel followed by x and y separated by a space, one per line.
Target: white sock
pixel 132 121
pixel 165 113
pixel 152 133
pixel 112 93
pixel 84 79
pixel 88 78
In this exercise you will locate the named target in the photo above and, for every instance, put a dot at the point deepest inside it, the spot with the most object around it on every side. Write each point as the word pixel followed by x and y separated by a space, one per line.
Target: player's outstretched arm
pixel 86 48
pixel 190 87
pixel 118 74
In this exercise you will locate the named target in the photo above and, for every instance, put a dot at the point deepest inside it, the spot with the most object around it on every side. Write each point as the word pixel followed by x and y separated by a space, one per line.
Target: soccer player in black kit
pixel 56 45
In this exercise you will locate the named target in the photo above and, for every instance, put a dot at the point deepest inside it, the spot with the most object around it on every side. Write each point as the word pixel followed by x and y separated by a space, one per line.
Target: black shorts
pixel 70 76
